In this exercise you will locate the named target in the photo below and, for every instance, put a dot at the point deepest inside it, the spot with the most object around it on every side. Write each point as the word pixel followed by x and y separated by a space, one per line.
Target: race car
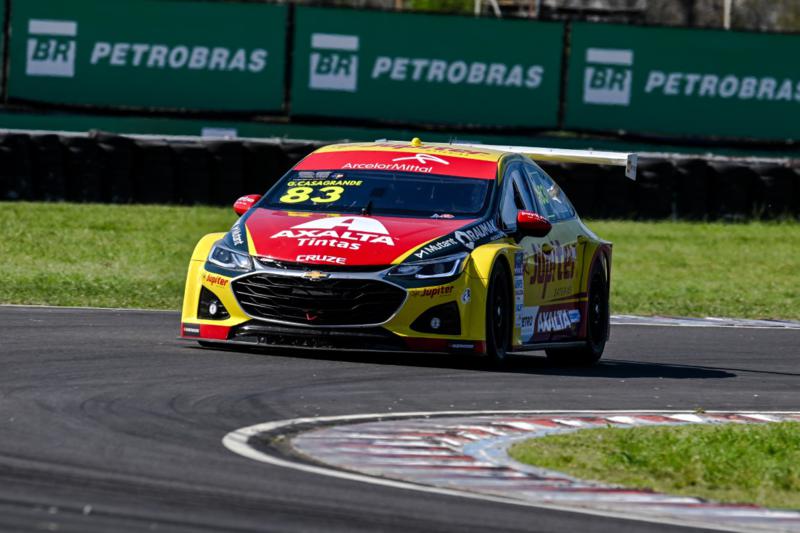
pixel 409 246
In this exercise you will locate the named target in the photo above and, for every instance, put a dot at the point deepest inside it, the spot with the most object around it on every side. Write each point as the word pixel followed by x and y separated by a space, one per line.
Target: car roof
pixel 414 156
pixel 449 149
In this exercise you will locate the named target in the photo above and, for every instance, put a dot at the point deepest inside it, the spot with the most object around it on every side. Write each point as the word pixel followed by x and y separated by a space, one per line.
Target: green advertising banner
pixel 426 69
pixel 149 54
pixel 680 82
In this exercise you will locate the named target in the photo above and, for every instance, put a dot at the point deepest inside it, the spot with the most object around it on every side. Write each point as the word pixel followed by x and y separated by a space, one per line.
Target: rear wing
pixel 622 159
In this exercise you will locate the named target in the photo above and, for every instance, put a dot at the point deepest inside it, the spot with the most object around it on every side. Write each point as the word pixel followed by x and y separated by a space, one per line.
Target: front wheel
pixel 597 326
pixel 498 315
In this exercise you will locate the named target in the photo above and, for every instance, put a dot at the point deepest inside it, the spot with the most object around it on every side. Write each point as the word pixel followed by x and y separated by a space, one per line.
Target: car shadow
pixel 517 364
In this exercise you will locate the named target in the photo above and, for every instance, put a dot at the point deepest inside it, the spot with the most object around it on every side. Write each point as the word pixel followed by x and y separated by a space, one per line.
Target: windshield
pixel 380 193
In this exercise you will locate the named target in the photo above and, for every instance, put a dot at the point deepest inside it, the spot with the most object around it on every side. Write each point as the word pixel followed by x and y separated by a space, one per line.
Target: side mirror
pixel 531 224
pixel 243 204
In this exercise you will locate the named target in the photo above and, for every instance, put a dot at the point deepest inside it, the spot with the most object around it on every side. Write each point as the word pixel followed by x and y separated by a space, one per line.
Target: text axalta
pixel 350 240
pixel 557 265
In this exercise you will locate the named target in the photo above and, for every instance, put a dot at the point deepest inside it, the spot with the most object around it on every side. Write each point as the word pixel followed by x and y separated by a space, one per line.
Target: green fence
pixel 426 68
pixel 683 83
pixel 383 68
pixel 149 54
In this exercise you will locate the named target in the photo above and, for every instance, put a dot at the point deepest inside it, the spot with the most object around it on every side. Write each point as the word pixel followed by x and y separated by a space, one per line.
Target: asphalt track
pixel 109 423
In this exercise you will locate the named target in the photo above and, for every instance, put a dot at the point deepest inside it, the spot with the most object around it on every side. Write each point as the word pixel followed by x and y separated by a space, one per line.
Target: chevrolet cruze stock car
pixel 391 245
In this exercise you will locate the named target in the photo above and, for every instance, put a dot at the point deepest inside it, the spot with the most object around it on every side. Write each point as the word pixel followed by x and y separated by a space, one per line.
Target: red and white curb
pixel 464 454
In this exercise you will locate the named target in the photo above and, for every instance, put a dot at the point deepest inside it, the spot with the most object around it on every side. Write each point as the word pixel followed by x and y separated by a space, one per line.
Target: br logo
pixel 51 48
pixel 334 62
pixel 607 76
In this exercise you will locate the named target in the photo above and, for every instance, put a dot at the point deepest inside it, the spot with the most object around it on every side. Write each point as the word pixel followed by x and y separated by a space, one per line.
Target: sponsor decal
pixel 435 247
pixel 355 158
pixel 729 86
pixel 558 265
pixel 212 279
pixel 236 233
pixel 462 345
pixel 519 263
pixel 190 330
pixel 527 320
pixel 423 158
pixel 433 292
pixel 608 76
pixel 338 232
pixel 180 57
pixel 52 51
pixel 466 296
pixel 321 259
pixel 51 48
pixel 558 320
pixel 470 236
pixel 315 275
pixel 334 66
pixel 334 62
pixel 398 167
pixel 459 72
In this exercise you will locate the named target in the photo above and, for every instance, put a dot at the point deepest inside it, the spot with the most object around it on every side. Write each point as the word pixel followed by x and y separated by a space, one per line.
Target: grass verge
pixel 100 255
pixel 731 463
pixel 136 256
pixel 704 269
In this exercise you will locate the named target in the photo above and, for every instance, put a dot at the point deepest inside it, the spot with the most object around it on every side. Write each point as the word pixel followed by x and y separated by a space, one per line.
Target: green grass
pixel 136 256
pixel 100 255
pixel 732 463
pixel 704 269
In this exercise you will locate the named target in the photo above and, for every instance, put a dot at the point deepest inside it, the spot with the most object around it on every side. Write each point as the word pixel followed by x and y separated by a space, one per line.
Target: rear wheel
pixel 498 315
pixel 597 326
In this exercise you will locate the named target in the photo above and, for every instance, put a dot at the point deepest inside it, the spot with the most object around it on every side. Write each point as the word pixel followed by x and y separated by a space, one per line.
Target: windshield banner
pixel 682 82
pixel 400 162
pixel 426 69
pixel 149 54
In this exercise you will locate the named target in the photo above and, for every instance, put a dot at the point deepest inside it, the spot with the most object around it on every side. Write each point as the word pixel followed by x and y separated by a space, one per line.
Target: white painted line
pixel 237 442
pixel 78 308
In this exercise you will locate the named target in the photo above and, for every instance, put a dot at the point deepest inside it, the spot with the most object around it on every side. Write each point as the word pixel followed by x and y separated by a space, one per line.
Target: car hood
pixel 348 240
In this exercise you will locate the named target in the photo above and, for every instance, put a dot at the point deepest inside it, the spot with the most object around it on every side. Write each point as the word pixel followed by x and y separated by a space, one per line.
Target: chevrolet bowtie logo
pixel 316 275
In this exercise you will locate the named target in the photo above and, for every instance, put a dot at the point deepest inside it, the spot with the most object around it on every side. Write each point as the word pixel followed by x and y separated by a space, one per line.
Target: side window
pixel 516 196
pixel 552 201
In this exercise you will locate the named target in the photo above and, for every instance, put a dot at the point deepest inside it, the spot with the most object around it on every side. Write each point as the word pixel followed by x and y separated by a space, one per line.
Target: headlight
pixel 229 259
pixel 443 267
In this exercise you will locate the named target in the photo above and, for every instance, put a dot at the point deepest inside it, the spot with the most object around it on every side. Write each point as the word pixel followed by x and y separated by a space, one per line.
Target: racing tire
pixel 498 315
pixel 598 322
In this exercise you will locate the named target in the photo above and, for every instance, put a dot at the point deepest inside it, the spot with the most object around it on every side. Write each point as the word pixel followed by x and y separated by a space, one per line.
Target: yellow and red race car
pixel 409 246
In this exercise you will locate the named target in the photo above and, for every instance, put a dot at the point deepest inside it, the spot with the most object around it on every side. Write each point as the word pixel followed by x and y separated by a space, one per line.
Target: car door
pixel 553 273
pixel 517 195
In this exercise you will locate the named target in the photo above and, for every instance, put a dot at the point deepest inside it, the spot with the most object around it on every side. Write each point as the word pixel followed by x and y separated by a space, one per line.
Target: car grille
pixel 327 302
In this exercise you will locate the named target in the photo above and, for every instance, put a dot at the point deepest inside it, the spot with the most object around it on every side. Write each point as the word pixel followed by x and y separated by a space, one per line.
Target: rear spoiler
pixel 622 159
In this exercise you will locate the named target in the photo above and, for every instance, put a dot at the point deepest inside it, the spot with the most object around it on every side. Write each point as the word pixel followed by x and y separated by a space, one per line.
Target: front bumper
pixel 409 327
